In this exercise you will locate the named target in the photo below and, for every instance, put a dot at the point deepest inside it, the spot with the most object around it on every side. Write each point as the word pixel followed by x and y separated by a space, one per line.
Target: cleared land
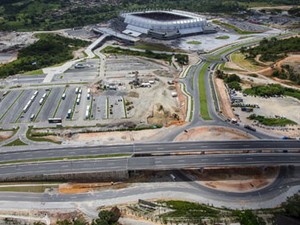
pixel 212 133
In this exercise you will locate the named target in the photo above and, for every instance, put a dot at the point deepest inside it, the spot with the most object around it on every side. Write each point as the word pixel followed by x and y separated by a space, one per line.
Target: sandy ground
pixel 119 136
pixel 11 40
pixel 235 179
pixel 223 96
pixel 269 107
pixel 4 135
pixel 212 133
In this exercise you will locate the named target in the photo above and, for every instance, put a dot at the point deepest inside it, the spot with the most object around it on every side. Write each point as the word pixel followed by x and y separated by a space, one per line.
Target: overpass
pixel 276 146
pixel 125 164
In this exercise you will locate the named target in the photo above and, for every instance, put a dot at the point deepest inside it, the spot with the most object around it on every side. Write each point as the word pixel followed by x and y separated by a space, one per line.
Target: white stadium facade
pixel 163 24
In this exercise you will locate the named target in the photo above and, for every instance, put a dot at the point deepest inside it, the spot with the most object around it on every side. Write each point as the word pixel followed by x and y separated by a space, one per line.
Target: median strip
pixel 64 158
pixel 202 93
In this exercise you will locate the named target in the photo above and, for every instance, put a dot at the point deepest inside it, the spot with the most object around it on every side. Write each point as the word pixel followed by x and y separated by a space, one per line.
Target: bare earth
pixel 4 135
pixel 212 133
pixel 225 104
pixel 76 188
pixel 119 136
pixel 235 179
pixel 269 107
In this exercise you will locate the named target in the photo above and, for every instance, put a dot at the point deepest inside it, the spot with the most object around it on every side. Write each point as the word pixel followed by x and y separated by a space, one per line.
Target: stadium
pixel 164 24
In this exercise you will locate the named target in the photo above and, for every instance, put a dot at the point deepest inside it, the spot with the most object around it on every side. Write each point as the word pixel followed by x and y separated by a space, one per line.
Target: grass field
pixel 194 42
pixel 223 37
pixel 28 188
pixel 17 142
pixel 239 59
pixel 202 93
pixel 152 47
pixel 34 72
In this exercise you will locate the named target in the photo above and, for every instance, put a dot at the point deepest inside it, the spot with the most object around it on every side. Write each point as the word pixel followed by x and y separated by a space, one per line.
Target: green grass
pixel 16 142
pixel 223 37
pixel 34 72
pixel 271 121
pixel 152 47
pixel 194 42
pixel 66 158
pixel 236 29
pixel 202 93
pixel 240 60
pixel 189 210
pixel 33 189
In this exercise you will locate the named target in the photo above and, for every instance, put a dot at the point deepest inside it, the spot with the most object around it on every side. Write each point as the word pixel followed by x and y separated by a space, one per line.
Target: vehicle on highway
pixel 249 128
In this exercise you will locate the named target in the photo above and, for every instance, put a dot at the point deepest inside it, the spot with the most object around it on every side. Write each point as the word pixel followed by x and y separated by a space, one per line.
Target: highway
pixel 150 148
pixel 146 163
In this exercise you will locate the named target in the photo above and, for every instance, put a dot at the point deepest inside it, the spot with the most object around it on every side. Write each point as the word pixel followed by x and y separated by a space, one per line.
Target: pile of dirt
pixel 162 116
pixel 212 133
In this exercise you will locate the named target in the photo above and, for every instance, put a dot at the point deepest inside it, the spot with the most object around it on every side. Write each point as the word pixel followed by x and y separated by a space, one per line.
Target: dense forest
pixel 55 14
pixel 49 50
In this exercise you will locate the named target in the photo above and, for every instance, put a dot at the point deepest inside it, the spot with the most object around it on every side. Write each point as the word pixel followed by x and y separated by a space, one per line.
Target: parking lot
pixel 120 65
pixel 88 72
pixel 50 103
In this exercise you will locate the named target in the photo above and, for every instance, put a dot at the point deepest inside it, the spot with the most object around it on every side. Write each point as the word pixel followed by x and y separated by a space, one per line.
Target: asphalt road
pixel 157 148
pixel 146 163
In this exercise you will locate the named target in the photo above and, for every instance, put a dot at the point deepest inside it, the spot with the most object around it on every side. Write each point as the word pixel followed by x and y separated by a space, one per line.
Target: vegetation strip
pixel 271 121
pixel 125 111
pixel 54 114
pixel 65 158
pixel 74 106
pixel 45 99
pixel 12 104
pixel 37 138
pixel 202 93
pixel 236 29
